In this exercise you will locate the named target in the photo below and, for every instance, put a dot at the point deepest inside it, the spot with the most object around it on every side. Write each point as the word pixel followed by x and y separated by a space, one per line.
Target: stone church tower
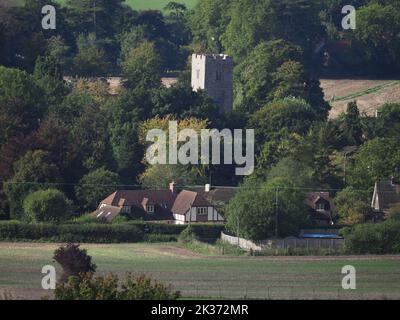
pixel 213 73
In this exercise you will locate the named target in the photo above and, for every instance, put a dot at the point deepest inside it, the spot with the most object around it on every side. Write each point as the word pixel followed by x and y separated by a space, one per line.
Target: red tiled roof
pixel 187 199
pixel 107 212
pixel 313 197
pixel 176 203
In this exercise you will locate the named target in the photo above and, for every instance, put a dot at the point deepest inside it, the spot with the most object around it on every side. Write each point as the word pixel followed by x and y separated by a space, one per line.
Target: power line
pixel 117 185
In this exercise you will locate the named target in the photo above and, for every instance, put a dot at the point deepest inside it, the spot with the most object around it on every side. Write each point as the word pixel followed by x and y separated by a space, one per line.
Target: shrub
pixel 108 288
pixel 379 238
pixel 46 205
pixel 187 235
pixel 92 232
pixel 394 213
pixel 160 237
pixel 87 218
pixel 120 219
pixel 74 261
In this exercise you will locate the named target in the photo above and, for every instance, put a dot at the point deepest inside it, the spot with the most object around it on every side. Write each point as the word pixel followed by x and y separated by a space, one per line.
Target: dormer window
pixel 126 209
pixel 150 208
pixel 320 206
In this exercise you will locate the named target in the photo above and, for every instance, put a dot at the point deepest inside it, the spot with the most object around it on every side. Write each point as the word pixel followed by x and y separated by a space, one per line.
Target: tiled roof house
pixel 179 206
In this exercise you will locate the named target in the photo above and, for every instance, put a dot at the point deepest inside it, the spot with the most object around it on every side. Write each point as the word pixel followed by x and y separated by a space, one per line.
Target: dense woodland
pixel 67 145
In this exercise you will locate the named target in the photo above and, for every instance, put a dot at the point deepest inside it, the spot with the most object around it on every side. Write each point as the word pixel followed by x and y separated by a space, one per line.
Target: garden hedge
pixel 133 231
pixel 369 238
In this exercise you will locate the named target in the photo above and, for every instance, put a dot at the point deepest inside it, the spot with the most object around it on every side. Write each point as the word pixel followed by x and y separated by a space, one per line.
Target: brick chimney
pixel 172 187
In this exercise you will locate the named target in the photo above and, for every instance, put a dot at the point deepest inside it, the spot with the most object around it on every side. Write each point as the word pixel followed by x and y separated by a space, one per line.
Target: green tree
pixel 33 172
pixel 46 206
pixel 388 121
pixel 90 61
pixel 254 76
pixel 376 38
pixel 277 118
pixel 208 23
pixel 351 205
pixel 351 127
pixel 255 207
pixel 142 67
pixel 21 103
pixel 48 76
pixel 95 186
pixel 370 165
pixel 92 138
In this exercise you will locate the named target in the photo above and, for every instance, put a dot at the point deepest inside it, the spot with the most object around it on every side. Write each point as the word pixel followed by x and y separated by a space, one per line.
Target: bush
pixel 382 238
pixel 152 238
pixel 46 205
pixel 97 232
pixel 187 235
pixel 109 288
pixel 74 261
pixel 394 213
pixel 94 233
pixel 86 218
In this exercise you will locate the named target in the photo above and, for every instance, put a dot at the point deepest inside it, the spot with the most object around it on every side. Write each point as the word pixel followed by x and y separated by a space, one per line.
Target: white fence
pixel 291 242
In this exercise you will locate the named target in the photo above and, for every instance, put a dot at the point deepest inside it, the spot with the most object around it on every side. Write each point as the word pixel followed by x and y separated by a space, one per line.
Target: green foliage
pixel 32 172
pixel 88 218
pixel 253 210
pixel 95 186
pixel 382 238
pixel 187 235
pixel 388 121
pixel 90 59
pixel 377 39
pixel 254 76
pixel 110 288
pixel 280 117
pixel 370 165
pixel 49 205
pixel 352 127
pixel 142 67
pixel 21 103
pixel 89 233
pixel 394 213
pixel 351 205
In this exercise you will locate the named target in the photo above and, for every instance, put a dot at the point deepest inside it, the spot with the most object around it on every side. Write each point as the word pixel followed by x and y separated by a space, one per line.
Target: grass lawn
pixel 198 275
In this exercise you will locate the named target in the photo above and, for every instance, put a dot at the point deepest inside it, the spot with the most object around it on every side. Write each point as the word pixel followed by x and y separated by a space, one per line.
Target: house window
pixel 126 209
pixel 202 210
pixel 218 75
pixel 320 206
pixel 150 208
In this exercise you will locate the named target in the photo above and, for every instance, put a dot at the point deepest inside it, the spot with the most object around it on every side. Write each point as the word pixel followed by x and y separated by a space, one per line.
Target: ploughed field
pixel 210 276
pixel 369 94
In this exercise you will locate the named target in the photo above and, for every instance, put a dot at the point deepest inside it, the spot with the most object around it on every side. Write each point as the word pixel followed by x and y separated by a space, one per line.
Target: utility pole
pixel 276 213
pixel 237 232
pixel 344 167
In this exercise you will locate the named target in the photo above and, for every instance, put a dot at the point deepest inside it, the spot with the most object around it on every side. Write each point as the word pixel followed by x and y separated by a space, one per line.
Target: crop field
pixel 210 276
pixel 369 94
